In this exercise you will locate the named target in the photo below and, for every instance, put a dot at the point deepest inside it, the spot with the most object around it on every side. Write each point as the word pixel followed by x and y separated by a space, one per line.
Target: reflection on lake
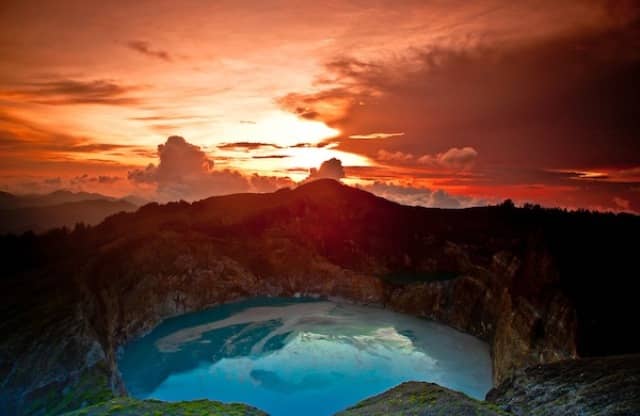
pixel 292 357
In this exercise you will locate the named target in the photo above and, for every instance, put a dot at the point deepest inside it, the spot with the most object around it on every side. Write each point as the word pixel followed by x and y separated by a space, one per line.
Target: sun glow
pixel 288 129
pixel 278 128
pixel 294 162
pixel 311 157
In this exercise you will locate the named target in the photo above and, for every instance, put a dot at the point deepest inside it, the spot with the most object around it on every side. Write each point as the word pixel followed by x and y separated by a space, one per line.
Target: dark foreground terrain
pixel 541 286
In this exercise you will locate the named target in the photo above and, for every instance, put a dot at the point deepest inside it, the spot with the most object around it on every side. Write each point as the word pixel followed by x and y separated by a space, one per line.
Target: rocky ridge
pixel 589 386
pixel 422 399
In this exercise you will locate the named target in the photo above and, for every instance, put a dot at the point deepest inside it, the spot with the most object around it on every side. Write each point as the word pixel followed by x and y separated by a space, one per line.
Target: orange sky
pixel 438 103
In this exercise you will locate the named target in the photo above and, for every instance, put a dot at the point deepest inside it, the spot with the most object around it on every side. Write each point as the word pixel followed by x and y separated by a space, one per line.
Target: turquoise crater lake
pixel 299 356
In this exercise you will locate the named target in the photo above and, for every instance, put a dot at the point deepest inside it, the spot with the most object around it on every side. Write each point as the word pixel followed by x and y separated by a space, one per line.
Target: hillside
pixel 37 213
pixel 12 201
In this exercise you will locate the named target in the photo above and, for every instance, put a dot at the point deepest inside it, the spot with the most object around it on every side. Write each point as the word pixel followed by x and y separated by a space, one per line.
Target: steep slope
pixel 132 407
pixel 40 218
pixel 12 201
pixel 39 212
pixel 590 386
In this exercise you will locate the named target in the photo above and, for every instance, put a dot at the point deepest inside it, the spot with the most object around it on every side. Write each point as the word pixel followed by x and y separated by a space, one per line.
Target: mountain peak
pixel 331 190
pixel 321 184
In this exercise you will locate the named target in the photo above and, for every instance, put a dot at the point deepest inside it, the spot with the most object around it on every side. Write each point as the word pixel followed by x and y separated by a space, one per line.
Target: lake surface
pixel 299 356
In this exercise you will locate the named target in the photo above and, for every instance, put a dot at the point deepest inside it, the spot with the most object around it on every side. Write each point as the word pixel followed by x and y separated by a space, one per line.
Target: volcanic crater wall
pixel 480 302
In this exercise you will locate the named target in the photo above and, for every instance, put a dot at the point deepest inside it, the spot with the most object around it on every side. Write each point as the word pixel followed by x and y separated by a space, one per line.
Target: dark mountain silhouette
pixel 40 212
pixel 62 196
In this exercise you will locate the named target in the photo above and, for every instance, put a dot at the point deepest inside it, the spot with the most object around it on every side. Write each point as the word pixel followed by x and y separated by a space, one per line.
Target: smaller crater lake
pixel 299 356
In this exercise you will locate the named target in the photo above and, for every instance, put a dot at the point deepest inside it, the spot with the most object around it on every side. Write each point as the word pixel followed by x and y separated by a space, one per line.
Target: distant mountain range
pixel 40 212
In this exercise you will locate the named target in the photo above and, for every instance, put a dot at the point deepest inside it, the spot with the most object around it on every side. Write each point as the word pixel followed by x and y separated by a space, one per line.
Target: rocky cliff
pixel 589 386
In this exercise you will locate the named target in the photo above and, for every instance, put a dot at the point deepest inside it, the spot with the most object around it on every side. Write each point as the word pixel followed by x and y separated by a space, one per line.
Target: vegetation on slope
pixel 422 399
pixel 131 407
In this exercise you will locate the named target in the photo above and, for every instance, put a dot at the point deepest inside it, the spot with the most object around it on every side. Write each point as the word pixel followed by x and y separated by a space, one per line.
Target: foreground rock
pixel 583 387
pixel 131 407
pixel 422 399
pixel 591 386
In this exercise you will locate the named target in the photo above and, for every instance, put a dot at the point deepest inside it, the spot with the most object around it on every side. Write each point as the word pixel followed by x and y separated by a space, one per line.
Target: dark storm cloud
pixel 567 101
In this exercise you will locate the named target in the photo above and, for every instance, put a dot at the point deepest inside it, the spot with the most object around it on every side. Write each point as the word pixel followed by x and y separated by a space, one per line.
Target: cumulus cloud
pixel 329 169
pixel 88 179
pixel 453 158
pixel 185 171
pixel 387 156
pixel 408 195
pixel 179 160
pixel 261 183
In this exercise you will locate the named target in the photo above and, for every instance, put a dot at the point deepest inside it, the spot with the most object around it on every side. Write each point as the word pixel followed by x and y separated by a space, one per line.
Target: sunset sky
pixel 435 103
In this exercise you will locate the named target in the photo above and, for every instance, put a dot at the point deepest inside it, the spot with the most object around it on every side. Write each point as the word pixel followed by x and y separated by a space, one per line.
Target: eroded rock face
pixel 589 386
pixel 522 332
pixel 585 387
pixel 58 366
pixel 528 334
